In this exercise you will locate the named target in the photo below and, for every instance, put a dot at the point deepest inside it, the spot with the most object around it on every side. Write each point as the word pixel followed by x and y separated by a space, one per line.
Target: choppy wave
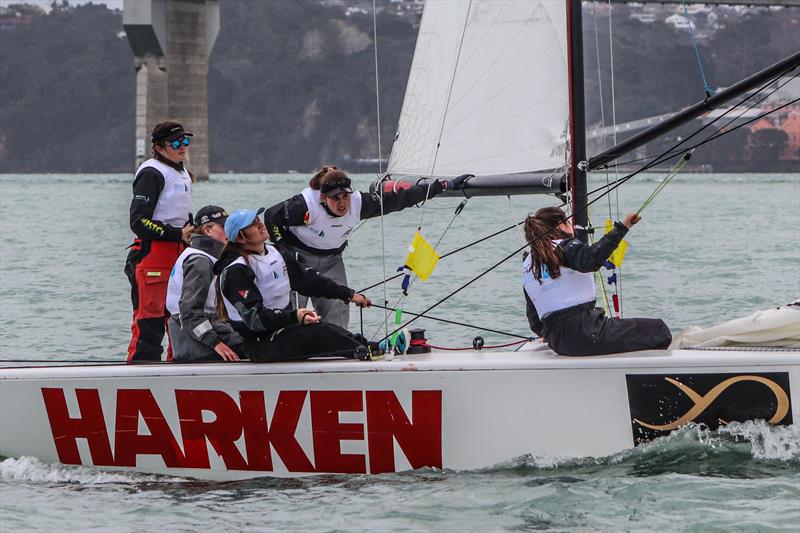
pixel 33 470
pixel 748 449
pixel 740 449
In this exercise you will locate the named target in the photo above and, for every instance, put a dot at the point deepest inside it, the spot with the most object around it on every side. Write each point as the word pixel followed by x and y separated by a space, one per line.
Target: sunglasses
pixel 178 142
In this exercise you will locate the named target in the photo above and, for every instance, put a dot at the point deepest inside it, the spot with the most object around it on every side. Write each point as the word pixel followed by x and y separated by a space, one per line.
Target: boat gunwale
pixel 472 361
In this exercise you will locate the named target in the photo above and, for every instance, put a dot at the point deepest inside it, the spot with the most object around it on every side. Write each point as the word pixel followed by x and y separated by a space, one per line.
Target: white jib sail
pixel 490 77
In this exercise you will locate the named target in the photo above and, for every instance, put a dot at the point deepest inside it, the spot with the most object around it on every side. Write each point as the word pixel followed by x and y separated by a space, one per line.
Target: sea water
pixel 710 248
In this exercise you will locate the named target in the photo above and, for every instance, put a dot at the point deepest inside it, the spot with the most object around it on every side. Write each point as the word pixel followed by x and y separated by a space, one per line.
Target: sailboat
pixel 495 90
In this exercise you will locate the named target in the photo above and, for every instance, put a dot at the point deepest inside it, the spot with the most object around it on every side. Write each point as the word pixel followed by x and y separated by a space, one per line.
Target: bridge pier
pixel 171 41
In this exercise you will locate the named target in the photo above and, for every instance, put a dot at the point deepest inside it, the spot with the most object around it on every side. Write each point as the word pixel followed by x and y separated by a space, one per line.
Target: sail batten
pixel 487 93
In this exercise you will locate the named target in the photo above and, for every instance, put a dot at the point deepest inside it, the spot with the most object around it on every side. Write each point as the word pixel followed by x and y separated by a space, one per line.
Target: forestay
pixel 489 77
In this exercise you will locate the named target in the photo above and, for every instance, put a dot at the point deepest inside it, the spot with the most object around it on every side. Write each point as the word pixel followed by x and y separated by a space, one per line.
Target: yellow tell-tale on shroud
pixel 421 258
pixel 618 255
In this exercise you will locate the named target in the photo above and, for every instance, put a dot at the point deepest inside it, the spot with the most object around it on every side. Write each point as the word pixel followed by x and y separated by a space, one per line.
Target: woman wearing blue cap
pixel 253 285
pixel 316 224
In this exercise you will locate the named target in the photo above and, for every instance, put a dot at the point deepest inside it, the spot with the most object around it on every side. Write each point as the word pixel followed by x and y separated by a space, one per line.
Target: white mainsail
pixel 490 77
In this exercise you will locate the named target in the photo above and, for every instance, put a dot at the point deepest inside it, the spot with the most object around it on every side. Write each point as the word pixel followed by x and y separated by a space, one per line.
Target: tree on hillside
pixel 727 151
pixel 766 145
pixel 67 77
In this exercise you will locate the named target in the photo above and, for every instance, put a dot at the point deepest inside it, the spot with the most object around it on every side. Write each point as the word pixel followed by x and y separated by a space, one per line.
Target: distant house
pixel 787 120
pixel 646 18
pixel 17 15
pixel 9 23
pixel 679 22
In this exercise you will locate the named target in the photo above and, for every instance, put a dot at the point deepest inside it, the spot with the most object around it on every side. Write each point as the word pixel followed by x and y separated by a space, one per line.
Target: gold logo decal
pixel 701 403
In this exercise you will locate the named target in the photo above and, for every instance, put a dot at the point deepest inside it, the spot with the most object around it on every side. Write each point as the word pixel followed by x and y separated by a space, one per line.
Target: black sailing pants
pixel 585 330
pixel 303 342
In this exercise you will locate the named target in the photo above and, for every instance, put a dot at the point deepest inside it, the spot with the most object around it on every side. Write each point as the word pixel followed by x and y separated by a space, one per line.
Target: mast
pixel 577 119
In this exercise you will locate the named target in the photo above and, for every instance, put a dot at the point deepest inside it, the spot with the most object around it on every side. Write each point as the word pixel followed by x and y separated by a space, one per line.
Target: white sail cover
pixel 491 78
pixel 777 327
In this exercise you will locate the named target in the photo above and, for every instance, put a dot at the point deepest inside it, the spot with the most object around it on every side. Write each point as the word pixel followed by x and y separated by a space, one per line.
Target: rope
pixel 677 168
pixel 447 321
pixel 618 286
pixel 671 152
pixel 720 131
pixel 614 186
pixel 380 165
pixel 446 109
pixel 663 157
pixel 506 345
pixel 479 276
pixel 709 92
pixel 451 253
pixel 667 155
pixel 598 274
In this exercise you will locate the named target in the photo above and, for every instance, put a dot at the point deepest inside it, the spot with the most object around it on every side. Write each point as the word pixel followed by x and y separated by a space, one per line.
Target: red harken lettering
pixel 225 423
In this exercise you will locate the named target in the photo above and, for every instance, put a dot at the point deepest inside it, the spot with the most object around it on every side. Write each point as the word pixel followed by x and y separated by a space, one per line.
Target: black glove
pixel 456 184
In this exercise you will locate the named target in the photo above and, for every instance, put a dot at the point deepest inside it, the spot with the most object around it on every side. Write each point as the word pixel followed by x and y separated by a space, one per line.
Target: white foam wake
pixel 768 442
pixel 32 469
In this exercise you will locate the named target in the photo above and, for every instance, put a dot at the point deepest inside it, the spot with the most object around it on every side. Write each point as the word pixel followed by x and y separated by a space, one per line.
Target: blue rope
pixel 708 90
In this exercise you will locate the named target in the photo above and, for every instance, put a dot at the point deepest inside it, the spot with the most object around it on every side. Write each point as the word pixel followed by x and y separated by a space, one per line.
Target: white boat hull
pixel 457 411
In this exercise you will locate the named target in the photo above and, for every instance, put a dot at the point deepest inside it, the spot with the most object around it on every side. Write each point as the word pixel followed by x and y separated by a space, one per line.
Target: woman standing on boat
pixel 558 282
pixel 316 223
pixel 254 281
pixel 196 331
pixel 159 216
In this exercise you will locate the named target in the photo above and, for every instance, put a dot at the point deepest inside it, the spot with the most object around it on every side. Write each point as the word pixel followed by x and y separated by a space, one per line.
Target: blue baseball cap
pixel 238 220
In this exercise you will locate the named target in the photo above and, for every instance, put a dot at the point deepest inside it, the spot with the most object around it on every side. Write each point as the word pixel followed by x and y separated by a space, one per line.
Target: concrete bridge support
pixel 171 42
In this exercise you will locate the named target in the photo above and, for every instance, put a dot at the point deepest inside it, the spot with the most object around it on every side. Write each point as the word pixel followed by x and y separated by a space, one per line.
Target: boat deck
pixel 532 356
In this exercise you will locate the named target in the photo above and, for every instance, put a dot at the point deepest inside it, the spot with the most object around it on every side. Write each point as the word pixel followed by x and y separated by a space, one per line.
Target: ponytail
pixel 541 229
pixel 324 175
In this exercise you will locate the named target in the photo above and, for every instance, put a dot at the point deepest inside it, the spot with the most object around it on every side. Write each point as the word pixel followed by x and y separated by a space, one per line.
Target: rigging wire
pixel 446 109
pixel 706 87
pixel 430 180
pixel 729 110
pixel 380 164
pixel 603 138
pixel 670 155
pixel 473 243
pixel 571 216
pixel 613 93
pixel 614 185
pixel 455 323
pixel 672 173
pixel 618 286
pixel 672 152
pixel 497 264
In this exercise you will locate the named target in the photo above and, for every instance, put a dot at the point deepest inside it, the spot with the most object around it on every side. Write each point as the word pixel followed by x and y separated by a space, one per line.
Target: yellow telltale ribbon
pixel 618 255
pixel 421 258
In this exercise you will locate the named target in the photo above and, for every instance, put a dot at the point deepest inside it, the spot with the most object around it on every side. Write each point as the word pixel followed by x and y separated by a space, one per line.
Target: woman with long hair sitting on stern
pixel 558 281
